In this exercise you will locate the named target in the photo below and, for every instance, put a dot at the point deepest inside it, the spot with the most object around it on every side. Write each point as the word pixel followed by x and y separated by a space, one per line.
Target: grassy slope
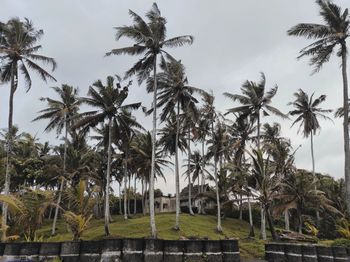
pixel 191 226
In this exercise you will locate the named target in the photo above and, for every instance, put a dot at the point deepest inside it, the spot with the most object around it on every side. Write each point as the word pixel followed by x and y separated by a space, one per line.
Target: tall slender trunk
pixel 125 188
pixel 188 171
pixel 135 200
pixel 272 228
pixel 109 153
pixel 346 124
pixel 120 199
pixel 258 131
pixel 240 206
pixel 218 226
pixel 251 232
pixel 314 176
pixel 129 194
pixel 154 139
pixel 177 175
pixel 14 82
pixel 203 180
pixel 143 196
pixel 286 220
pixel 263 223
pixel 300 218
pixel 53 230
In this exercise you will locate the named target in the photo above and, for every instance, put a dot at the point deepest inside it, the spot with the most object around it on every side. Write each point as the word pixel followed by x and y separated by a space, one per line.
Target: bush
pixel 343 242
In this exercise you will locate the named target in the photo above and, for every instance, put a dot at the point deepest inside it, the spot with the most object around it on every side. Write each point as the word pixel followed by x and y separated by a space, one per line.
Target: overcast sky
pixel 234 41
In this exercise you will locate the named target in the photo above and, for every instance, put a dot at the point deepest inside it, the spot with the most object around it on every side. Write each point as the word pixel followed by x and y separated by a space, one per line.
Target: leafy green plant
pixel 311 229
pixel 343 228
pixel 343 242
pixel 78 223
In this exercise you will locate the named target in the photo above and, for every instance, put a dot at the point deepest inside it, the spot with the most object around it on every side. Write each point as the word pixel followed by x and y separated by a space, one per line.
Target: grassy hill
pixel 198 226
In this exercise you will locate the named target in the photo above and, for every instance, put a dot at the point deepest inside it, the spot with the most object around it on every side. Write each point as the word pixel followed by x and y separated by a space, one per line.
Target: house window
pixel 165 206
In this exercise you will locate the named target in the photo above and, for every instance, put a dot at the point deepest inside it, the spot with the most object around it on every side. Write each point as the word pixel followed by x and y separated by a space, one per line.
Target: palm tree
pixel 172 138
pixel 267 186
pixel 254 101
pixel 328 36
pixel 61 115
pixel 308 111
pixel 108 100
pixel 18 53
pixel 150 41
pixel 298 190
pixel 214 151
pixel 175 96
pixel 202 131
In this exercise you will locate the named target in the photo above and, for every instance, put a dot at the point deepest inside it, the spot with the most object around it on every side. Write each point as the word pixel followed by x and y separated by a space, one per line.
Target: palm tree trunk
pixel 143 195
pixel 14 82
pixel 125 190
pixel 177 175
pixel 263 223
pixel 154 139
pixel 129 194
pixel 203 179
pixel 109 153
pixel 53 230
pixel 251 232
pixel 188 172
pixel 272 228
pixel 218 226
pixel 286 220
pixel 240 206
pixel 258 131
pixel 314 176
pixel 135 195
pixel 300 226
pixel 120 199
pixel 346 124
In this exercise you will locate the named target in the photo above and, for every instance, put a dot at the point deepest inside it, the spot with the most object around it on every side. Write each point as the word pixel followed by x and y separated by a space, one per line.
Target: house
pixel 195 197
pixel 164 204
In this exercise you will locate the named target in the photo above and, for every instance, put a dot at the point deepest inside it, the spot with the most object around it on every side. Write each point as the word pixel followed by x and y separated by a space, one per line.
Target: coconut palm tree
pixel 254 101
pixel 109 103
pixel 150 41
pixel 175 96
pixel 172 138
pixel 19 53
pixel 266 184
pixel 308 110
pixel 329 36
pixel 298 190
pixel 61 115
pixel 214 151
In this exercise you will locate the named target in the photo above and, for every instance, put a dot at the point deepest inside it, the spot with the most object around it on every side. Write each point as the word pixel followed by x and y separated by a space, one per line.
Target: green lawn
pixel 198 226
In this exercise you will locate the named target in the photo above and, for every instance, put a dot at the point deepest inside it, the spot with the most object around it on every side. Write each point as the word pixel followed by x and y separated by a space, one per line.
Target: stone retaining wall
pixel 126 250
pixel 279 252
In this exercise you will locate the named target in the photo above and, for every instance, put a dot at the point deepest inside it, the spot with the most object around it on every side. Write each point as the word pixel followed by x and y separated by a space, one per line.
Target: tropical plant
pixel 108 100
pixel 267 184
pixel 81 204
pixel 297 191
pixel 308 110
pixel 18 53
pixel 150 41
pixel 61 114
pixel 327 37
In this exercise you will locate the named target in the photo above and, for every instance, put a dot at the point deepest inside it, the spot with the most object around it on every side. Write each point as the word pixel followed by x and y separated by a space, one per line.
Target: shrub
pixel 343 242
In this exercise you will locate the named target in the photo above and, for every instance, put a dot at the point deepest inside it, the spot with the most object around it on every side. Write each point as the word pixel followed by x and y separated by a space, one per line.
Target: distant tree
pixel 307 110
pixel 109 101
pixel 61 114
pixel 18 53
pixel 328 36
pixel 150 41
